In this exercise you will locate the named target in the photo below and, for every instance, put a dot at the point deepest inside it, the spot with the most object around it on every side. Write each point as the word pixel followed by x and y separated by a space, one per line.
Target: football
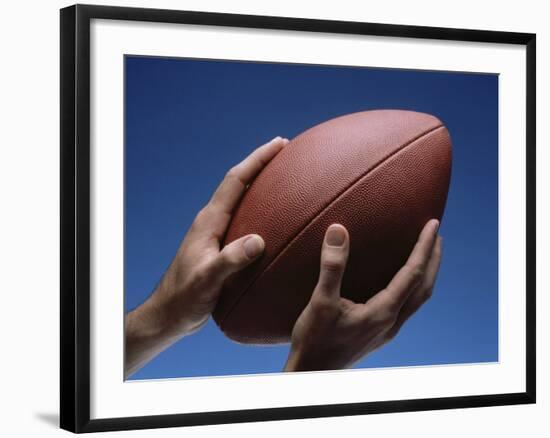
pixel 382 174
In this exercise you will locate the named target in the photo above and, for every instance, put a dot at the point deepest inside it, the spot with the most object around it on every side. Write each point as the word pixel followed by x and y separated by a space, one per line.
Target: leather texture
pixel 382 174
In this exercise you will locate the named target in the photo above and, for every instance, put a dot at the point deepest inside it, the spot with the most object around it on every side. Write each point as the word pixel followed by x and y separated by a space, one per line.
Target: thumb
pixel 238 254
pixel 334 256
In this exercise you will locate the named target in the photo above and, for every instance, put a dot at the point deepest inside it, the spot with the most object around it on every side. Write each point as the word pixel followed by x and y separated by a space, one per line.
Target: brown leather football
pixel 382 174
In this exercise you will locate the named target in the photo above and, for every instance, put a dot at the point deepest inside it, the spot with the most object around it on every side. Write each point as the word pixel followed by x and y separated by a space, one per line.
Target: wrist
pixel 291 363
pixel 147 323
pixel 173 310
pixel 307 357
pixel 145 337
pixel 295 361
pixel 151 328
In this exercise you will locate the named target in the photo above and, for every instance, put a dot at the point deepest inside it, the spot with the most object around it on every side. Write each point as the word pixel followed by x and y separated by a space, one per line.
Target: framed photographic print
pixel 270 218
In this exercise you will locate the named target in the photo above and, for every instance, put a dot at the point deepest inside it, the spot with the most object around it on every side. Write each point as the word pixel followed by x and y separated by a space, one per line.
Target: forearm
pixel 146 335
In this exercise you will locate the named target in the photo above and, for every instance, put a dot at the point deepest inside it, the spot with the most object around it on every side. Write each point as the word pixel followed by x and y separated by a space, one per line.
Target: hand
pixel 189 290
pixel 333 332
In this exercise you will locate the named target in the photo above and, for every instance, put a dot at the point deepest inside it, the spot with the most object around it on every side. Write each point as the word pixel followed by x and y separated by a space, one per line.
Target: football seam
pixel 319 213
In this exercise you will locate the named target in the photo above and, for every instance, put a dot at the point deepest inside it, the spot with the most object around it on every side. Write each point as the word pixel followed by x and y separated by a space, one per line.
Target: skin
pixel 331 333
pixel 189 290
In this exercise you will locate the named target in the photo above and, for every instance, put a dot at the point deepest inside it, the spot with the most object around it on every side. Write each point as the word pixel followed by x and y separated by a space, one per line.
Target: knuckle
pixel 428 293
pixel 323 308
pixel 201 216
pixel 415 271
pixel 333 264
pixel 233 173
pixel 391 304
pixel 390 334
pixel 203 273
pixel 385 320
pixel 390 320
pixel 210 267
pixel 318 300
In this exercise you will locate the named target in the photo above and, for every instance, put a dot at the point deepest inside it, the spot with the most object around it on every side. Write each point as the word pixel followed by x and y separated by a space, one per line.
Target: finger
pixel 409 277
pixel 229 192
pixel 424 292
pixel 334 256
pixel 432 268
pixel 237 255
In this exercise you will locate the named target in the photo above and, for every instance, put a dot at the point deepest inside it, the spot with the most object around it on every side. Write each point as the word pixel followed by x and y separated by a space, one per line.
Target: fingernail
pixel 276 138
pixel 336 236
pixel 253 246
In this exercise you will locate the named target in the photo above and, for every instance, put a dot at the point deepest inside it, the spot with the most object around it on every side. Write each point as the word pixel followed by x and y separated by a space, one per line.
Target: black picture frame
pixel 75 217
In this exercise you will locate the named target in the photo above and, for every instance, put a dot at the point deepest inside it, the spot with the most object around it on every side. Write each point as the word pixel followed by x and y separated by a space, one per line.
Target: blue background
pixel 188 121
